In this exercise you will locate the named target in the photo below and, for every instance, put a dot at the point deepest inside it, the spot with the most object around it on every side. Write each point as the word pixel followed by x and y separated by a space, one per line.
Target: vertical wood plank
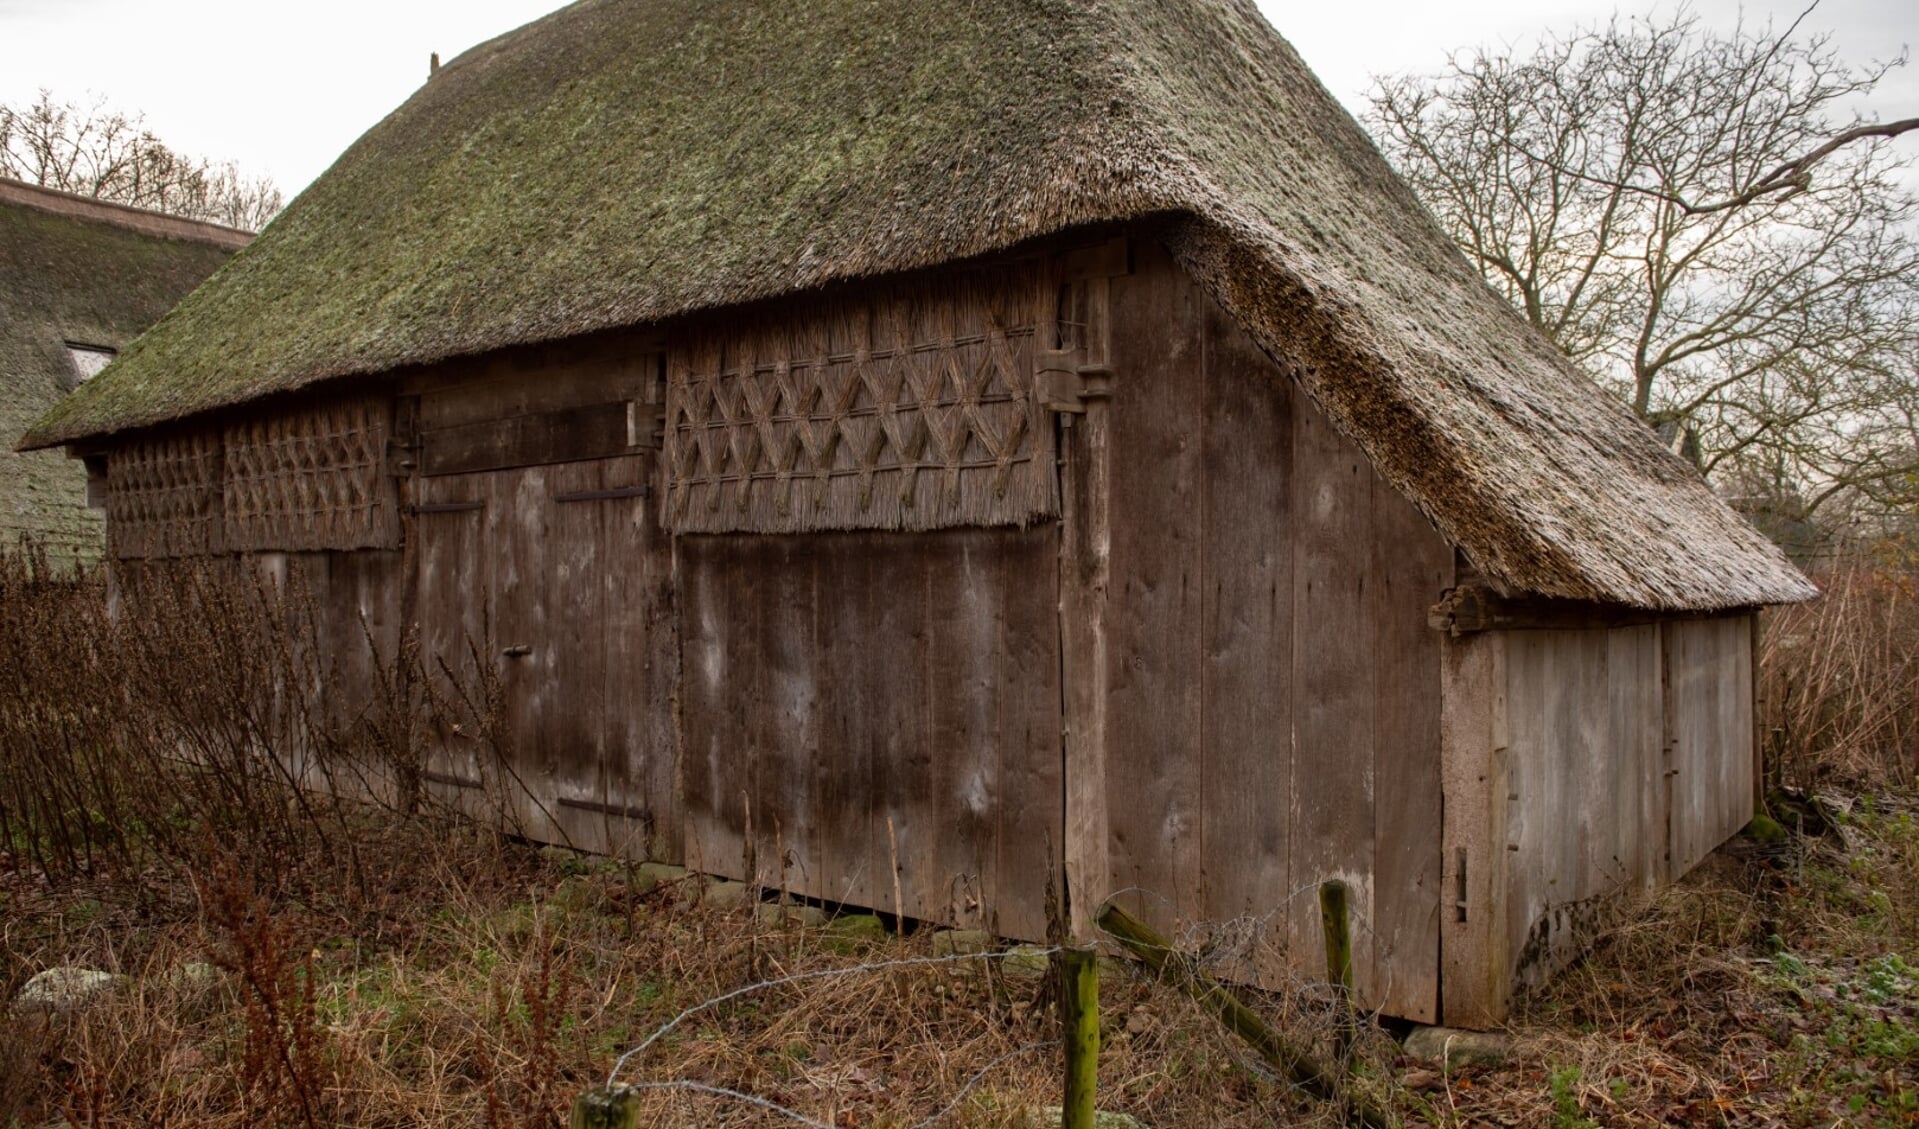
pixel 896 693
pixel 1636 726
pixel 717 671
pixel 573 721
pixel 1031 828
pixel 1530 840
pixel 966 604
pixel 1661 829
pixel 1085 574
pixel 518 516
pixel 642 668
pixel 1411 565
pixel 1333 831
pixel 1474 742
pixel 453 605
pixel 847 589
pixel 1246 647
pixel 1153 761
pixel 786 736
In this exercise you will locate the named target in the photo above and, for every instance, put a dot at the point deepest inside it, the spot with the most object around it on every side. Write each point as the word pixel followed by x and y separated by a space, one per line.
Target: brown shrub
pixel 1839 682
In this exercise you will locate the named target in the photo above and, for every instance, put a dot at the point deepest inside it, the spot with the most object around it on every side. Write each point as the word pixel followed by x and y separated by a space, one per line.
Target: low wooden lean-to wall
pixel 1579 765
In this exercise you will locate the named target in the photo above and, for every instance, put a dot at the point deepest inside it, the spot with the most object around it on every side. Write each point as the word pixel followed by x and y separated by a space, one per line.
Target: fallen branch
pixel 1294 1063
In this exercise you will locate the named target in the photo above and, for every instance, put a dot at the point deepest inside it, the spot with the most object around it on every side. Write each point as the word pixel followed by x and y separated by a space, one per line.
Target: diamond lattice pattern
pixel 312 478
pixel 163 496
pixel 911 409
pixel 300 478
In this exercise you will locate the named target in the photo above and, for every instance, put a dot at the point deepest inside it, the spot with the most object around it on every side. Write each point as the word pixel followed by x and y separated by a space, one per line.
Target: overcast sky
pixel 284 88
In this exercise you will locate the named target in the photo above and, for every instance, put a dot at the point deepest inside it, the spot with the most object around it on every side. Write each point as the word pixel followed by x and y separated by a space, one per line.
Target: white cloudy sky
pixel 284 88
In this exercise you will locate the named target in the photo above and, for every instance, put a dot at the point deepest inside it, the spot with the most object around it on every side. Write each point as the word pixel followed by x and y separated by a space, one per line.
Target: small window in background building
pixel 88 360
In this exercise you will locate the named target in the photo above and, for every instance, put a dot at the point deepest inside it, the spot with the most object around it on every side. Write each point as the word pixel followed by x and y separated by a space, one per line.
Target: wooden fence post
pixel 1335 921
pixel 1294 1062
pixel 1079 1015
pixel 605 1109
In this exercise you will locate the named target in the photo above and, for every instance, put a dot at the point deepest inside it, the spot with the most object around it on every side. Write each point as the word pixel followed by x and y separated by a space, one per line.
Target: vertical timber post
pixel 1335 921
pixel 1079 1015
pixel 605 1109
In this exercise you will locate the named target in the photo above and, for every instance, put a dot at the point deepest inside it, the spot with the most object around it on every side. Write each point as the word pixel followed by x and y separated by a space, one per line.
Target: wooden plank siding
pixel 544 580
pixel 834 682
pixel 1581 764
pixel 543 596
pixel 1711 716
pixel 1269 659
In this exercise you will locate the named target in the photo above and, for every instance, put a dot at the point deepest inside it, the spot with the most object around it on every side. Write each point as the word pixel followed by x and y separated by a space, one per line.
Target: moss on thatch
pixel 73 271
pixel 626 161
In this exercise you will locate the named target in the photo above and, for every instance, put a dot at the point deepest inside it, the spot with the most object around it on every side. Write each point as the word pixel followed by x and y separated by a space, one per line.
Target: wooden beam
pixel 1475 968
pixel 1478 607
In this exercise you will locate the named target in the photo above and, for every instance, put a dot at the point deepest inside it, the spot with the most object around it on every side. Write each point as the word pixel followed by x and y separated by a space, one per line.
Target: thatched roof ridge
pixel 626 161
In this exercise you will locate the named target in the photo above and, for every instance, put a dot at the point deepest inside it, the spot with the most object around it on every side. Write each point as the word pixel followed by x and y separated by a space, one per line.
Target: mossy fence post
pixel 605 1108
pixel 1293 1061
pixel 1079 1016
pixel 1335 919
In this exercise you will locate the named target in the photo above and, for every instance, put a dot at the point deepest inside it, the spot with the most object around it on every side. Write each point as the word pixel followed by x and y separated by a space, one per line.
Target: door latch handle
pixel 517 651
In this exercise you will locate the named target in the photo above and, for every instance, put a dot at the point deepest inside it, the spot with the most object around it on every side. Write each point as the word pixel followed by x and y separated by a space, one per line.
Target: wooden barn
pixel 79 278
pixel 957 444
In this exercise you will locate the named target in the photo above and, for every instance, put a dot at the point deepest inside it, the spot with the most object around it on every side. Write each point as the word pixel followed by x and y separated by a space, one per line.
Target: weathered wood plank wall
pixel 836 682
pixel 1269 664
pixel 1207 688
pixel 1580 764
pixel 1711 710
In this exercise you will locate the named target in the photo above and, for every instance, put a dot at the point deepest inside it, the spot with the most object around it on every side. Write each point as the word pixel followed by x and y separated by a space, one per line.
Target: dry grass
pixel 1837 694
pixel 495 994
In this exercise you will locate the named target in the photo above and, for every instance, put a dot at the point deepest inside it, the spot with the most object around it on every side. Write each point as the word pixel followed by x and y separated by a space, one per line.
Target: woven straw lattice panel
pixel 310 478
pixel 913 409
pixel 163 496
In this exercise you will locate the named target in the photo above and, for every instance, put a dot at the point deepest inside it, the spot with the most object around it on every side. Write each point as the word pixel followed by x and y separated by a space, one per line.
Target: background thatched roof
pixel 624 161
pixel 77 270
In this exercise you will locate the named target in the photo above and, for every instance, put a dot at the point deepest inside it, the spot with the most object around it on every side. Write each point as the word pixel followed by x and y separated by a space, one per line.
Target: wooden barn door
pixel 545 590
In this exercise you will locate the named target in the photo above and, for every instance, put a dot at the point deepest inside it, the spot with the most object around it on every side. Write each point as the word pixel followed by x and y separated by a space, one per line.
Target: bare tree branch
pixel 1792 177
pixel 1699 219
pixel 96 151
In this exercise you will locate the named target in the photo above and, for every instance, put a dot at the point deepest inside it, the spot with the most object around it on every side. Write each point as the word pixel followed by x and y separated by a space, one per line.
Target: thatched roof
pixel 625 161
pixel 81 271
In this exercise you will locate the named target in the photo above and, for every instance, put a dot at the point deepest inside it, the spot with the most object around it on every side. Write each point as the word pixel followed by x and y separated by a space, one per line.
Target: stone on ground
pixel 1454 1047
pixel 61 989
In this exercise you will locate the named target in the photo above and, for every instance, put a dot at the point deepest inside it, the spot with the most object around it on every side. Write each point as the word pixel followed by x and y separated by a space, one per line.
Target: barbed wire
pixel 1189 939
pixel 619 1064
pixel 770 1106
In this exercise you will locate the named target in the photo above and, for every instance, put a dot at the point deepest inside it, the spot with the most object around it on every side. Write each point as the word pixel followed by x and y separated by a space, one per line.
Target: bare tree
pixel 1695 217
pixel 96 151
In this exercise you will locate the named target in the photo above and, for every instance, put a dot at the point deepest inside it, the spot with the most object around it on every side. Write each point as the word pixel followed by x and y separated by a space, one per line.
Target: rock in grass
pixel 858 927
pixel 961 942
pixel 650 876
pixel 62 989
pixel 1454 1047
pixel 811 917
pixel 1765 829
pixel 724 895
pixel 1026 961
pixel 195 976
